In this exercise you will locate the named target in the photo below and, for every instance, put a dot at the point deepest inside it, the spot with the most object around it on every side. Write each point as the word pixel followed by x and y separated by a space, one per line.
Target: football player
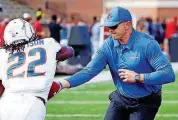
pixel 29 71
pixel 2 51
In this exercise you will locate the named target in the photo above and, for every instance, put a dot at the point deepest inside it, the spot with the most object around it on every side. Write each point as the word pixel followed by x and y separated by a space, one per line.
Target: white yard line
pixel 78 102
pixel 102 102
pixel 105 92
pixel 171 84
pixel 170 102
pixel 86 92
pixel 170 92
pixel 74 115
pixel 100 115
pixel 167 115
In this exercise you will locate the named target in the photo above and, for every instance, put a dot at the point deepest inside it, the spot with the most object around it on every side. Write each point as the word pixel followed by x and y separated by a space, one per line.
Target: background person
pixel 54 28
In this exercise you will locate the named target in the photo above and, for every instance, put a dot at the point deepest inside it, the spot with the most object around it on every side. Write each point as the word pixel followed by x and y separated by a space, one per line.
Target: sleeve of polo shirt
pixel 94 67
pixel 163 72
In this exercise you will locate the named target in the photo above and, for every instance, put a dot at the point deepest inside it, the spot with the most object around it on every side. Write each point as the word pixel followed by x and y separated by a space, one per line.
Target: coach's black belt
pixel 142 98
pixel 41 99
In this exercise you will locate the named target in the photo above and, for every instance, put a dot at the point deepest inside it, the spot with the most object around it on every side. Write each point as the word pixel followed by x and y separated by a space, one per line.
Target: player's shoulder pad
pixel 52 39
pixel 2 52
pixel 48 40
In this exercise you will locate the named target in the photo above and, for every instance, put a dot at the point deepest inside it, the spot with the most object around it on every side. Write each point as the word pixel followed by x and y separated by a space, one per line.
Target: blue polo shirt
pixel 142 54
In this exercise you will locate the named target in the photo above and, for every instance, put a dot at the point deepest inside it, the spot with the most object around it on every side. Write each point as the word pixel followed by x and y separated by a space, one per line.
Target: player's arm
pixel 65 53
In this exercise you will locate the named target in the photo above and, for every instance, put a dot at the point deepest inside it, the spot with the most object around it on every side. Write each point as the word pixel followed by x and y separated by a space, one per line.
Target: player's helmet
pixel 18 31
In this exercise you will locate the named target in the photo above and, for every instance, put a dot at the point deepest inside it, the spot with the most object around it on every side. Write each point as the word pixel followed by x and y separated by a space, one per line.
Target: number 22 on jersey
pixel 22 57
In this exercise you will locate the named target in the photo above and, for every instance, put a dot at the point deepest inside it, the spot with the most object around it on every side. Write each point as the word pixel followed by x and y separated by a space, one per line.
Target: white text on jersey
pixel 34 43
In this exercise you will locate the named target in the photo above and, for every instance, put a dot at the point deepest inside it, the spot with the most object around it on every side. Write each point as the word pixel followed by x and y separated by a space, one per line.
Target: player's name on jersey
pixel 34 43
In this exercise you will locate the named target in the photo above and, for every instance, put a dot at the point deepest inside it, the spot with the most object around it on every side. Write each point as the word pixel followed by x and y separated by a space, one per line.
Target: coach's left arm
pixel 163 72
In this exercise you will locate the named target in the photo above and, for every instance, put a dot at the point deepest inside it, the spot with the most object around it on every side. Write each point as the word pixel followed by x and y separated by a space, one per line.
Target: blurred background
pixel 77 23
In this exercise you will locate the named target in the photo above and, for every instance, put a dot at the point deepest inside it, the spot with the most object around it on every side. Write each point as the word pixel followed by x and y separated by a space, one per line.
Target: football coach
pixel 138 69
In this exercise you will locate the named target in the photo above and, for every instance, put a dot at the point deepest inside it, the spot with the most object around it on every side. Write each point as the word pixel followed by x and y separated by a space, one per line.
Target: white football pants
pixel 15 106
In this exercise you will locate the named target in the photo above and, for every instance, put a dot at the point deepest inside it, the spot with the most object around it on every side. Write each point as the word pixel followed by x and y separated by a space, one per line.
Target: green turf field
pixel 90 101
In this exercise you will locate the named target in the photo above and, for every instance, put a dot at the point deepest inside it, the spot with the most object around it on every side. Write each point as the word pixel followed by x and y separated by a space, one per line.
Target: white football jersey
pixel 32 70
pixel 3 62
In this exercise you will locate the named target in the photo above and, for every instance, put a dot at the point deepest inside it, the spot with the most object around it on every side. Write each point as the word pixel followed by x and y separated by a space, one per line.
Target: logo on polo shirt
pixel 134 56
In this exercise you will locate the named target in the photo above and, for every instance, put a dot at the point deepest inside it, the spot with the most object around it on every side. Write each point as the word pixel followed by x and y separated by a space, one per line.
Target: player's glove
pixel 55 88
pixel 1 88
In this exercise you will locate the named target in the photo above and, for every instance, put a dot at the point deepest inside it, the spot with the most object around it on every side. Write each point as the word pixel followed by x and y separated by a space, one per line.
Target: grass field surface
pixel 90 101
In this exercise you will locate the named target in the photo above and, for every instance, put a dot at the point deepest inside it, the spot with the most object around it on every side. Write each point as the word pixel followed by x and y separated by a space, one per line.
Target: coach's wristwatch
pixel 137 77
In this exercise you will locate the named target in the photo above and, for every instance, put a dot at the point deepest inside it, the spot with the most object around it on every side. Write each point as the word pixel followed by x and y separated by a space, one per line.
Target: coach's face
pixel 118 31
